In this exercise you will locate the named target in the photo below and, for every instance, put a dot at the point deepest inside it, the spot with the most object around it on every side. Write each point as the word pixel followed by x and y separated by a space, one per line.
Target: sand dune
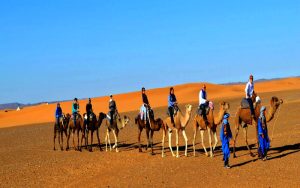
pixel 131 101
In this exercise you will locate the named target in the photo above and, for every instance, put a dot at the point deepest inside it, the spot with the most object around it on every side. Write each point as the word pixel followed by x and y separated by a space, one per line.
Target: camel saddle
pixel 245 104
pixel 206 108
pixel 91 116
pixel 176 109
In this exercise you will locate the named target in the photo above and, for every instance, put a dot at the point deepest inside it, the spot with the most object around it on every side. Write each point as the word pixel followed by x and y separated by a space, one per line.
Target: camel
pixel 180 122
pixel 118 123
pixel 243 119
pixel 93 125
pixel 199 124
pixel 60 129
pixel 79 126
pixel 151 126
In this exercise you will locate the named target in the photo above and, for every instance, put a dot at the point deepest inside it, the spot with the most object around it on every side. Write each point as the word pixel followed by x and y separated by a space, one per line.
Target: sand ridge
pixel 185 93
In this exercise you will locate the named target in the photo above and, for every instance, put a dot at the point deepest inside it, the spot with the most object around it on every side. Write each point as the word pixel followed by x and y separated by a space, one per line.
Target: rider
pixel 58 113
pixel 75 109
pixel 89 110
pixel 249 92
pixel 172 102
pixel 145 105
pixel 203 102
pixel 112 109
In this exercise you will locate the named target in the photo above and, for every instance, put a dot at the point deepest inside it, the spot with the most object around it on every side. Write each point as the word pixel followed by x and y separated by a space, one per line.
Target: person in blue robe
pixel 225 135
pixel 263 138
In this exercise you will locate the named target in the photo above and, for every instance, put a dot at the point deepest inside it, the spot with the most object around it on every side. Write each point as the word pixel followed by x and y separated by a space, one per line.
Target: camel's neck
pixel 257 109
pixel 185 119
pixel 219 118
pixel 271 113
pixel 120 123
pixel 210 116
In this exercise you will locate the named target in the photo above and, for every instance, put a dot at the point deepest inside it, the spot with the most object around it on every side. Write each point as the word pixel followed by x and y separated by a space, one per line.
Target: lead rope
pixel 275 123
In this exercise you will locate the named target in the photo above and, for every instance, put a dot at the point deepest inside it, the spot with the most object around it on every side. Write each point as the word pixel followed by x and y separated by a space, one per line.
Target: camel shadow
pixel 123 146
pixel 293 148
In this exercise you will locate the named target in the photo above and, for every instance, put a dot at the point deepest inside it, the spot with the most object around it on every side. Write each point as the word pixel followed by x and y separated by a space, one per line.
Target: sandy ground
pixel 186 93
pixel 28 159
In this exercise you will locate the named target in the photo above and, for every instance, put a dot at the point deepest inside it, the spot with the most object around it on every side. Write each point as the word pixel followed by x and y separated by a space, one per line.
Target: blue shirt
pixel 171 100
pixel 58 112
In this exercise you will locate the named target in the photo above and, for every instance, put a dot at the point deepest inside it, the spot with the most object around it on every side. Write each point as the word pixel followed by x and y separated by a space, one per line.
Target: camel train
pixel 242 119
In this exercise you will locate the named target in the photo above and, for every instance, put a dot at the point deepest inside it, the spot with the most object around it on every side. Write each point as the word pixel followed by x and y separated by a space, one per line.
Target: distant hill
pixel 15 105
pixel 256 81
pixel 11 106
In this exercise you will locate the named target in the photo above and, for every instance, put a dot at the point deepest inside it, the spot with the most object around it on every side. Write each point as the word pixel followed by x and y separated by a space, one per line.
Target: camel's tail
pixel 136 120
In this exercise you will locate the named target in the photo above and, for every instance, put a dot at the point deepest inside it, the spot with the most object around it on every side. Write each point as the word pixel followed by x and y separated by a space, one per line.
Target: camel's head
pixel 224 106
pixel 102 116
pixel 66 118
pixel 275 102
pixel 125 121
pixel 188 108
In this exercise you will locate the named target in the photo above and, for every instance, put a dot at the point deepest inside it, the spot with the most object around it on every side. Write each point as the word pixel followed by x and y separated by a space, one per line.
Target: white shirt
pixel 201 97
pixel 249 89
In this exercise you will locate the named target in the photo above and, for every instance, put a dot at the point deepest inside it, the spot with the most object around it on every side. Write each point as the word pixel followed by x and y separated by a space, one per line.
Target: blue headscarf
pixel 225 118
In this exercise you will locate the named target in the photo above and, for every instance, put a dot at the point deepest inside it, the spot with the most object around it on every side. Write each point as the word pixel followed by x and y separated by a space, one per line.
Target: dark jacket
pixel 89 108
pixel 112 105
pixel 145 99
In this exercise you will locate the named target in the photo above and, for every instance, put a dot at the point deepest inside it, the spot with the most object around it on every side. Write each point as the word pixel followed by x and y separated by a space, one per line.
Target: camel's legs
pixel 62 140
pixel 202 142
pixel 98 139
pixel 235 137
pixel 79 146
pixel 148 141
pixel 177 143
pixel 108 138
pixel 216 140
pixel 73 132
pixel 245 130
pixel 194 140
pixel 86 135
pixel 116 141
pixel 163 143
pixel 92 135
pixel 82 137
pixel 58 136
pixel 209 139
pixel 54 137
pixel 68 138
pixel 139 138
pixel 170 143
pixel 151 141
pixel 86 138
pixel 186 140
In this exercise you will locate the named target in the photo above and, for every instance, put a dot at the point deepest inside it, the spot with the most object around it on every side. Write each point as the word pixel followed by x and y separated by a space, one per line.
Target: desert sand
pixel 28 159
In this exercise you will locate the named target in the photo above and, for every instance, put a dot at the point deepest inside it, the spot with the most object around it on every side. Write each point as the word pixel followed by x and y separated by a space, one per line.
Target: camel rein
pixel 275 123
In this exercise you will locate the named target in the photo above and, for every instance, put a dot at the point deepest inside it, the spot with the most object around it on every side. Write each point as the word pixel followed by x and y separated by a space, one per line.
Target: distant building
pixel 18 109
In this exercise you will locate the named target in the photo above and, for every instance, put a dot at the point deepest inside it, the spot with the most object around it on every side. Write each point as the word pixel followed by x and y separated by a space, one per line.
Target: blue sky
pixel 56 50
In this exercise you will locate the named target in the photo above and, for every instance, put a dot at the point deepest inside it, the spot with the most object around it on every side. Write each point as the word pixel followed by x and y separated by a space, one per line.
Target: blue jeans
pixel 251 106
pixel 74 116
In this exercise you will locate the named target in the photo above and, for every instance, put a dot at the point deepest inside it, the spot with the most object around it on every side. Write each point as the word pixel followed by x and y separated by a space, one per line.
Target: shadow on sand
pixel 293 148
